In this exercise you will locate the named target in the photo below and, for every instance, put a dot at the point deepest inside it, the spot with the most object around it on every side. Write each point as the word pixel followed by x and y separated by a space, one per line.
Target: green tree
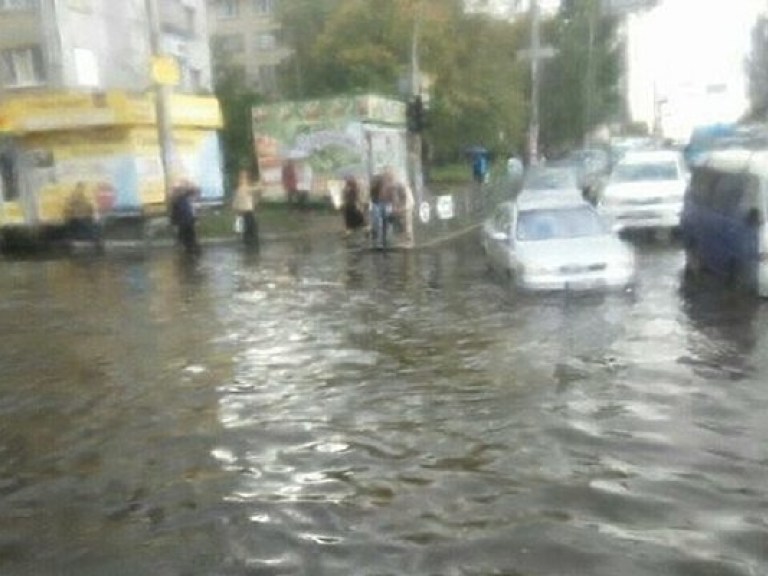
pixel 236 99
pixel 303 21
pixel 480 89
pixel 580 86
pixel 360 46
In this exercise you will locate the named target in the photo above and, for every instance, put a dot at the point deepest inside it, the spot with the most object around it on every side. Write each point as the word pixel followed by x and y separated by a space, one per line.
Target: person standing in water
pixel 244 205
pixel 353 215
pixel 184 218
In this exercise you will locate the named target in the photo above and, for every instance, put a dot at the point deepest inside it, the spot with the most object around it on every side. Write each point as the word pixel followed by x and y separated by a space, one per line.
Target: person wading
pixel 184 218
pixel 244 205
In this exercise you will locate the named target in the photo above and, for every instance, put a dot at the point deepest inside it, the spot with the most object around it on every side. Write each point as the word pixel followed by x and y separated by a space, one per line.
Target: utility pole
pixel 162 97
pixel 536 53
pixel 589 98
pixel 533 131
pixel 417 178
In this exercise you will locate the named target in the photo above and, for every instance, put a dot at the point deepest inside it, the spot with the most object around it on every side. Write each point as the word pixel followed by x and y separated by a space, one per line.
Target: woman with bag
pixel 244 205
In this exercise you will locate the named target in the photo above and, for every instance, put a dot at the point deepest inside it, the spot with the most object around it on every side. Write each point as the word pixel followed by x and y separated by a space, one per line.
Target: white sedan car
pixel 645 191
pixel 554 241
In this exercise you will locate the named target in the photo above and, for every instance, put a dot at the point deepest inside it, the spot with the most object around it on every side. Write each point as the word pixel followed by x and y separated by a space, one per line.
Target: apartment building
pixel 78 107
pixel 99 44
pixel 245 34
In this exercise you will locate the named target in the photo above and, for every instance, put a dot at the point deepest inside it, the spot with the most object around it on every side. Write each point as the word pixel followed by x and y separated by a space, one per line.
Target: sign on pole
pixel 165 70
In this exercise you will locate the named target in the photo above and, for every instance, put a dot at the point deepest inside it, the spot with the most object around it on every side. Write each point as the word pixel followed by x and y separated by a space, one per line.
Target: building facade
pixel 79 109
pixel 246 36
pixel 99 44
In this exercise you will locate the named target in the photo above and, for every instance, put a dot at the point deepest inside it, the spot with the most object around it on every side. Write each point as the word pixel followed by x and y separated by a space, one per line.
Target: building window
pixel 190 17
pixel 265 42
pixel 230 43
pixel 86 67
pixel 226 9
pixel 9 178
pixel 264 6
pixel 17 5
pixel 23 66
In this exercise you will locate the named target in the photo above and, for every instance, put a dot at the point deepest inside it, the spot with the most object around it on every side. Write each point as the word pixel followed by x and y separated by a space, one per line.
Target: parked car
pixel 550 240
pixel 645 191
pixel 550 177
pixel 592 166
pixel 723 226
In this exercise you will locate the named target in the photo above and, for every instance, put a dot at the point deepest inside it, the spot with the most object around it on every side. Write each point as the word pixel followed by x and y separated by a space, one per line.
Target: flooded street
pixel 316 410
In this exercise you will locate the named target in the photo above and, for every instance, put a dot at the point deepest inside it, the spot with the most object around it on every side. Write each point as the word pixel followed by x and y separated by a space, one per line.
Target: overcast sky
pixel 683 46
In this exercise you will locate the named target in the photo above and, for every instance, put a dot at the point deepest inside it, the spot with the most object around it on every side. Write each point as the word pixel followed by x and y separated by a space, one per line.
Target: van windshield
pixel 637 172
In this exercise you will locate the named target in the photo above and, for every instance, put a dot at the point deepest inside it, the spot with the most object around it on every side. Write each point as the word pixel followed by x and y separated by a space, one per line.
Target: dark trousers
pixel 250 229
pixel 188 238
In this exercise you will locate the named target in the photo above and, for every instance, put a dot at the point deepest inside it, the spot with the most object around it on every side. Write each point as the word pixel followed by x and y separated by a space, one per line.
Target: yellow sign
pixel 165 70
pixel 56 111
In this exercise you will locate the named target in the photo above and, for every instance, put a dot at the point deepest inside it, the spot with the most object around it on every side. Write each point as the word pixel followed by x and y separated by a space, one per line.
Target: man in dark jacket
pixel 184 218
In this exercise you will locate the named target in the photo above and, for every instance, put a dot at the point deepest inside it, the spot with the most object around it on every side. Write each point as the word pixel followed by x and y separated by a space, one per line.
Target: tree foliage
pixel 580 86
pixel 236 99
pixel 357 46
pixel 479 92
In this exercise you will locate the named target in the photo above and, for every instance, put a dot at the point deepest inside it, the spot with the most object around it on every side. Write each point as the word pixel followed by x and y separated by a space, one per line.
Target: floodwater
pixel 316 410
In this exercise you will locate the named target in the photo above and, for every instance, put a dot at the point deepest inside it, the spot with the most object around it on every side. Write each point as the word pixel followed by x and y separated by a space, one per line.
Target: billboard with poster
pixel 326 140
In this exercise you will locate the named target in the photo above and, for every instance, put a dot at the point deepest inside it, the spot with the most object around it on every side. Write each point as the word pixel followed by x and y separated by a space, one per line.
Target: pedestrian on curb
pixel 353 215
pixel 184 218
pixel 381 208
pixel 289 177
pixel 404 204
pixel 244 205
pixel 81 218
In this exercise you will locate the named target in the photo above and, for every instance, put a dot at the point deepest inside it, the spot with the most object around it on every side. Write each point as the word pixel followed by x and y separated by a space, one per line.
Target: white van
pixel 723 224
pixel 645 191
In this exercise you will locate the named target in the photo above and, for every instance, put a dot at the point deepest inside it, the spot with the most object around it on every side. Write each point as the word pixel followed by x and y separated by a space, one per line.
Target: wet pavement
pixel 318 409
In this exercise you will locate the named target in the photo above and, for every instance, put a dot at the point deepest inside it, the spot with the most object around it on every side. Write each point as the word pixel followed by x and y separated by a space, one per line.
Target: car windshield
pixel 638 172
pixel 550 179
pixel 559 223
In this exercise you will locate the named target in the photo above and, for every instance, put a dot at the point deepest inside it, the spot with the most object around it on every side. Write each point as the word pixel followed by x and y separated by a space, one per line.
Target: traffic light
pixel 416 116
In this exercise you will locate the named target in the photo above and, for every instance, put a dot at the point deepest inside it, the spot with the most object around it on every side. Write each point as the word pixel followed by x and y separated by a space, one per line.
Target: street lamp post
pixel 415 98
pixel 535 54
pixel 162 93
pixel 533 131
